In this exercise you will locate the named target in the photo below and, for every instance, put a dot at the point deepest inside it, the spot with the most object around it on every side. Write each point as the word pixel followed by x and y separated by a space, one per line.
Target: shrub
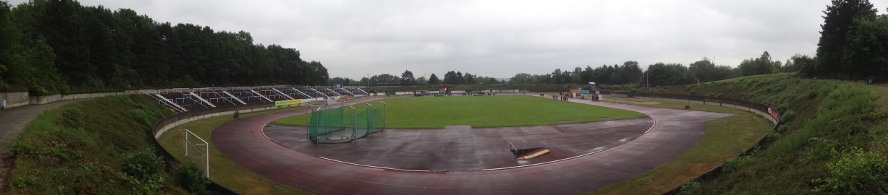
pixel 146 167
pixel 735 163
pixel 855 172
pixel 190 177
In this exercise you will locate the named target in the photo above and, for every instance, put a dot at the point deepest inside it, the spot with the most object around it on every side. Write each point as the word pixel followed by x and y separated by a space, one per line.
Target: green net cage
pixel 345 124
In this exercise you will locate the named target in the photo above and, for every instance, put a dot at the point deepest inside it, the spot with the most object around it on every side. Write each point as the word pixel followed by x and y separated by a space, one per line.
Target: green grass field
pixel 483 111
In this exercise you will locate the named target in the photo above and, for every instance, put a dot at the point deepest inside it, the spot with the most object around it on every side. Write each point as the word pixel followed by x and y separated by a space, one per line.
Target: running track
pixel 674 132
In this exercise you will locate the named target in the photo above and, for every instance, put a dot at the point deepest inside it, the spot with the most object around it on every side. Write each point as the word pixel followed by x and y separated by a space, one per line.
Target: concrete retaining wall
pixel 44 99
pixel 89 95
pixel 14 99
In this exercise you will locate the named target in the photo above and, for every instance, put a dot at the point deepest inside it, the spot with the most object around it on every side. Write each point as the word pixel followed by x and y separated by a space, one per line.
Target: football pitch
pixel 482 111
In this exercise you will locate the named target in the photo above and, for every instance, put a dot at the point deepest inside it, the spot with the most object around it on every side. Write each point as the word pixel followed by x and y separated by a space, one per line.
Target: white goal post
pixel 206 148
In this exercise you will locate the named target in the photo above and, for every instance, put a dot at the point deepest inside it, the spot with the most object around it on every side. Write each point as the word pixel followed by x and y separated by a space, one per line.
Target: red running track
pixel 674 132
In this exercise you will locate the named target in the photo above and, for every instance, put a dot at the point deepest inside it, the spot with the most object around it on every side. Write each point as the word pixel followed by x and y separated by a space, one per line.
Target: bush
pixel 855 172
pixel 190 177
pixel 735 163
pixel 146 167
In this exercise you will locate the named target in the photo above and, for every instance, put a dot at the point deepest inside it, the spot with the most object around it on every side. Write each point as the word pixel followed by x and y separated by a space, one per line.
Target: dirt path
pixel 12 123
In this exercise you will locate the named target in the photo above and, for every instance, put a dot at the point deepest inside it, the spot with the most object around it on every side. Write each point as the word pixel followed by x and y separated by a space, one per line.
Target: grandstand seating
pixel 343 91
pixel 312 92
pixel 186 99
pixel 327 91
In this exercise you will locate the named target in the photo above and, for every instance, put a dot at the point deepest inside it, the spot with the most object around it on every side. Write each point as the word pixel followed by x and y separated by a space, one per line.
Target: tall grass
pixel 828 128
pixel 98 146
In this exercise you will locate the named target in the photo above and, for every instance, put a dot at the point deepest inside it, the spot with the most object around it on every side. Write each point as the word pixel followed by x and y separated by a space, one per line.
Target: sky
pixel 502 38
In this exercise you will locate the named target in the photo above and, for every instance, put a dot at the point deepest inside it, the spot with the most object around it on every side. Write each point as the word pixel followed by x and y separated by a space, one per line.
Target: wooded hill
pixel 60 46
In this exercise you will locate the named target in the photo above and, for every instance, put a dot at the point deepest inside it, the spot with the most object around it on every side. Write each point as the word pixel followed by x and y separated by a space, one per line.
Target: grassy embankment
pixel 832 137
pixel 97 146
pixel 724 139
pixel 224 171
pixel 484 111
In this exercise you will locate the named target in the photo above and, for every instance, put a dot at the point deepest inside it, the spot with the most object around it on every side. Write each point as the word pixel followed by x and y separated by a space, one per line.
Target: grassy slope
pixel 485 111
pixel 224 171
pixel 821 121
pixel 723 139
pixel 77 148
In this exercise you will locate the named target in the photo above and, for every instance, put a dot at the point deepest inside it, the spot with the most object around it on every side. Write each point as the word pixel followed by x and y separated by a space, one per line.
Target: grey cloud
pixel 502 38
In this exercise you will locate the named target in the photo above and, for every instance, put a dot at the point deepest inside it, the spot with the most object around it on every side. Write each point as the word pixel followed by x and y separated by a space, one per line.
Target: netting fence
pixel 345 124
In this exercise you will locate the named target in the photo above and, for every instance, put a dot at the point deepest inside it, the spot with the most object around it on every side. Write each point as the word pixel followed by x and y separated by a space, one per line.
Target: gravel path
pixel 12 123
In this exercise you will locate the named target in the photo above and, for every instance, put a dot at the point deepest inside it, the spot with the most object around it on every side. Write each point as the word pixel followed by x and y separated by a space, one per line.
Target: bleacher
pixel 186 99
pixel 295 93
pixel 327 91
pixel 311 91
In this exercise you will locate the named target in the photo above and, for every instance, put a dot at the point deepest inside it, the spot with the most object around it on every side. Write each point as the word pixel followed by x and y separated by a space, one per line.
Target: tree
pixel 407 78
pixel 838 20
pixel 469 78
pixel 422 80
pixel 385 80
pixel 756 66
pixel 630 72
pixel 703 70
pixel 865 54
pixel 342 81
pixel 492 80
pixel 521 78
pixel 8 43
pixel 94 48
pixel 434 79
pixel 661 74
pixel 799 63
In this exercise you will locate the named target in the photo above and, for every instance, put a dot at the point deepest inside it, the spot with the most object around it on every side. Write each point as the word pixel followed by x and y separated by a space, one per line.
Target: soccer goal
pixel 198 148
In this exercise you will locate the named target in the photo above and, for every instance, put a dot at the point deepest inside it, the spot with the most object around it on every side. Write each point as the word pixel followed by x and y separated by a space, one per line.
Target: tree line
pixel 408 79
pixel 664 74
pixel 853 46
pixel 60 46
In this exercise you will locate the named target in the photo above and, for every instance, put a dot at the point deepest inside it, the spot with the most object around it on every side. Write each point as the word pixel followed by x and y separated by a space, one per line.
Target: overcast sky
pixel 503 38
